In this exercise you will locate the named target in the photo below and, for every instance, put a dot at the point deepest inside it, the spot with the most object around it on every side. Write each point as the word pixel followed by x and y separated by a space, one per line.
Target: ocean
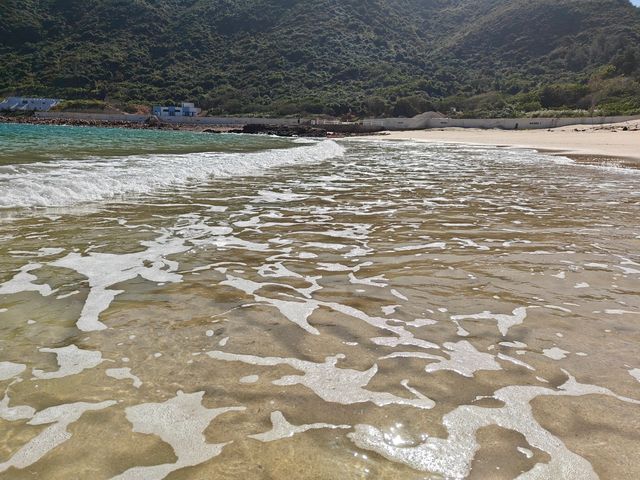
pixel 194 306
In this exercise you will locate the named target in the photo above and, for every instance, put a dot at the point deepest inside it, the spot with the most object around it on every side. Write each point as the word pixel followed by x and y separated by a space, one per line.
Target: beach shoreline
pixel 615 144
pixel 618 142
pixel 305 131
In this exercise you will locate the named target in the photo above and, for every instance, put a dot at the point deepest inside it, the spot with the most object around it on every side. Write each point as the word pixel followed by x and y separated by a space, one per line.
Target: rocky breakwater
pixel 284 130
pixel 329 130
pixel 151 123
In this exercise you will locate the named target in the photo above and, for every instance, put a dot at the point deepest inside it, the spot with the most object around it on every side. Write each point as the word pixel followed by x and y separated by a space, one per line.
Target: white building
pixel 186 110
pixel 29 104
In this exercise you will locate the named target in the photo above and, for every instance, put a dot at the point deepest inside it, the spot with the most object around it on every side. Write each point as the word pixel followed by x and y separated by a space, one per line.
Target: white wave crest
pixel 67 182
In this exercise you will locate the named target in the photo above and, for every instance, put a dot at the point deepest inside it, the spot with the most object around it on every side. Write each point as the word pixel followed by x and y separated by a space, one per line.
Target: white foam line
pixel 67 295
pixel 299 311
pixel 61 417
pixel 105 269
pixel 620 312
pixel 525 451
pixel 404 337
pixel 334 267
pixel 425 246
pixel 63 183
pixel 464 359
pixel 296 312
pixel 281 428
pixel 42 252
pixel 505 322
pixel 515 361
pixel 399 295
pixel 332 384
pixel 515 344
pixel 377 281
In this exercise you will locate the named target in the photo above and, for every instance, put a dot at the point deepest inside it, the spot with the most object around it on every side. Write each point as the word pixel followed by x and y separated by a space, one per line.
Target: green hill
pixel 486 57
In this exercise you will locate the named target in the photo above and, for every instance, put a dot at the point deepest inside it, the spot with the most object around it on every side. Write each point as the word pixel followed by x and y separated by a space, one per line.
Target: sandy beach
pixel 578 142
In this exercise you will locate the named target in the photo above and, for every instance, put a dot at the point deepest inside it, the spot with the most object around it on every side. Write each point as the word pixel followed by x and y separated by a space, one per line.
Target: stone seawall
pixel 500 123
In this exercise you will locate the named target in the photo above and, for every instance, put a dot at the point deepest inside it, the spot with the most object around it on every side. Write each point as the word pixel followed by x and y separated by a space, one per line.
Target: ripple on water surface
pixel 362 310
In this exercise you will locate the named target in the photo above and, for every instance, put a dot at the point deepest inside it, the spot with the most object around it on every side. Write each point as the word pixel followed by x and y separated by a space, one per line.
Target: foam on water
pixel 505 322
pixel 12 414
pixel 69 182
pixel 24 281
pixel 60 416
pixel 180 422
pixel 10 370
pixel 555 353
pixel 283 429
pixel 124 374
pixel 269 268
pixel 452 456
pixel 464 359
pixel 332 384
pixel 71 361
pixel 104 269
pixel 515 361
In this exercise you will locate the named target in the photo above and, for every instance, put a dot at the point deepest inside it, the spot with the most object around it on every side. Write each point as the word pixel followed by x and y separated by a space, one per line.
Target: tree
pixel 411 106
pixel 627 62
pixel 375 106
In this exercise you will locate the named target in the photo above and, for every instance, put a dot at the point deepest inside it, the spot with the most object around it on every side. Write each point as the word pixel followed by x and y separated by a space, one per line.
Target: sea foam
pixel 70 182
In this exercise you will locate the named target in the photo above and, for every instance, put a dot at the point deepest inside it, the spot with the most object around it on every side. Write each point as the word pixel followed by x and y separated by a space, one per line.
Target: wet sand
pixel 598 142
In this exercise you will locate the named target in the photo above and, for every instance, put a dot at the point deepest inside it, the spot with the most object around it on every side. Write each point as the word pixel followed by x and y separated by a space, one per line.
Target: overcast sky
pixel 636 2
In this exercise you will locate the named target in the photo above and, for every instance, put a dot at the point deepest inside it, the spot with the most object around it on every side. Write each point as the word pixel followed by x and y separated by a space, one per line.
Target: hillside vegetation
pixel 334 57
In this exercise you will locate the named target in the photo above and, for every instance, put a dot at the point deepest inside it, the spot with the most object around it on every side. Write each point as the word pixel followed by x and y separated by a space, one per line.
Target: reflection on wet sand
pixel 399 310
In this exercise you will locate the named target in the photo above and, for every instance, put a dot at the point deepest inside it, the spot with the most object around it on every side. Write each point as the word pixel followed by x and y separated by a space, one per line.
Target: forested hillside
pixel 367 57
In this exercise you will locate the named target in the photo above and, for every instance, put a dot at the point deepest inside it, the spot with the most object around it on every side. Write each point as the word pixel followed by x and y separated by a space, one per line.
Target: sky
pixel 636 2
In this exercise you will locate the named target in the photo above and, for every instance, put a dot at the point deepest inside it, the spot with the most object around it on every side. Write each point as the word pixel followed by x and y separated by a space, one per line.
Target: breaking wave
pixel 70 182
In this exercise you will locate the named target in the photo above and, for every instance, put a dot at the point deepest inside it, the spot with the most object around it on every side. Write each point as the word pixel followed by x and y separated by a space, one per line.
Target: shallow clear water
pixel 22 143
pixel 354 310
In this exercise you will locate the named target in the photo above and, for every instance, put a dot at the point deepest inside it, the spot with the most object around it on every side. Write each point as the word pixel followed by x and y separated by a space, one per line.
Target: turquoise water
pixel 59 166
pixel 28 143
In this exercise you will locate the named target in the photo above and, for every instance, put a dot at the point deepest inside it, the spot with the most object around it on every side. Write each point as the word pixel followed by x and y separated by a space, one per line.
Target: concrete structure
pixel 418 122
pixel 424 121
pixel 185 110
pixel 29 104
